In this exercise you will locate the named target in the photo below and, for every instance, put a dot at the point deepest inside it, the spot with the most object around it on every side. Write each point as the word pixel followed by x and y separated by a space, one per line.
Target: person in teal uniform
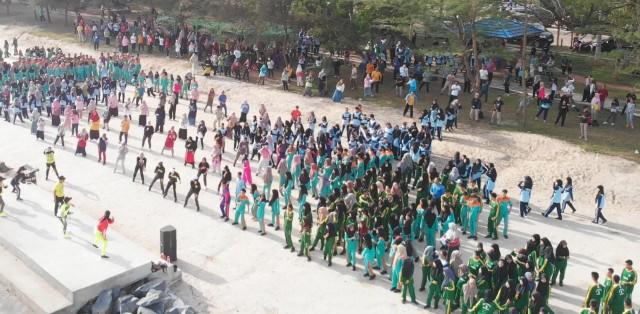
pixel 288 186
pixel 368 257
pixel 430 226
pixel 381 246
pixel 242 202
pixel 351 239
pixel 274 202
pixel 262 204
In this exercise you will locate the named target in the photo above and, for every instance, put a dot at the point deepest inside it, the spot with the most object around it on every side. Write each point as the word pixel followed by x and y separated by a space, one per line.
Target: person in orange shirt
pixel 369 68
pixel 376 77
pixel 124 129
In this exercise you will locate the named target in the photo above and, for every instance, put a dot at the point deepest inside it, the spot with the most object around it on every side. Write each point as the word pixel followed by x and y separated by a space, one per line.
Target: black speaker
pixel 168 243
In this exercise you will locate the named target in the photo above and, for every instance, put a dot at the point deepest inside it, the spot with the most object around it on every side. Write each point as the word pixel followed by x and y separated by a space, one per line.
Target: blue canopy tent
pixel 504 29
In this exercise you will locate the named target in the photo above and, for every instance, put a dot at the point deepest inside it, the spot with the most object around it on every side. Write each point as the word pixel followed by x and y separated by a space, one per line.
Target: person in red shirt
pixel 603 93
pixel 101 233
pixel 296 114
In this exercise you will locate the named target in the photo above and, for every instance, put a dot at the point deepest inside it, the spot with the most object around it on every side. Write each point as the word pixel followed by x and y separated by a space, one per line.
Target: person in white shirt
pixel 484 74
pixel 270 66
pixel 455 91
pixel 404 71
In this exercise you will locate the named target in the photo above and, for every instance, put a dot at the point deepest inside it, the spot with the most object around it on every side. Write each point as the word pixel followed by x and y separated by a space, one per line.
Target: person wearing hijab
pixel 430 226
pixel 400 253
pixel 437 277
pixel 562 256
pixel 406 277
pixel 468 293
pixel 523 293
pixel 194 189
pixel 428 256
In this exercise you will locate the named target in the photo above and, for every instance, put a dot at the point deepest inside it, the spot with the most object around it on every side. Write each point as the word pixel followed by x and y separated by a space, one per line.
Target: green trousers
pixel 426 275
pixel 319 236
pixel 328 248
pixel 434 292
pixel 288 226
pixel 561 267
pixel 491 227
pixel 407 285
pixel 304 245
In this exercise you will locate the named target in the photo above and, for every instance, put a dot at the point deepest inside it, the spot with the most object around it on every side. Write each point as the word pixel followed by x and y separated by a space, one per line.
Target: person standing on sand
pixel 101 233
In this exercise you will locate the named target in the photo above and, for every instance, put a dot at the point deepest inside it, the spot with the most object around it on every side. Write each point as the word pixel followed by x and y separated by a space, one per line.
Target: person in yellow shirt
pixel 124 129
pixel 410 101
pixel 65 211
pixel 376 77
pixel 58 195
pixel 51 162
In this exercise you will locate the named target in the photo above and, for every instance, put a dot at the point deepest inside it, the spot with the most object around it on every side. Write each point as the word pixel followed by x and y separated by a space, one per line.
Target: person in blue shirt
pixel 525 187
pixel 600 204
pixel 556 198
pixel 436 191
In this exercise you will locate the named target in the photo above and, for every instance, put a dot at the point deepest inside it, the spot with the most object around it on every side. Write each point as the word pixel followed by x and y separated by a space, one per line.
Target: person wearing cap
pixel 628 278
pixel 2 187
pixel 101 233
pixel 173 178
pixel 51 162
pixel 58 195
pixel 65 211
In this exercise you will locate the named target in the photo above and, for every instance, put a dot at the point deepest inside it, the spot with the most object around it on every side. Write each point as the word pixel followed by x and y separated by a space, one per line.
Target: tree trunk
pixel 598 46
pixel 48 14
pixel 475 81
pixel 525 74
pixel 8 6
pixel 558 35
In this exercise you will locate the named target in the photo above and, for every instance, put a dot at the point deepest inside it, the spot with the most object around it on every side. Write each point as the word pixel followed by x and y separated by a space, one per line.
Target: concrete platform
pixel 60 275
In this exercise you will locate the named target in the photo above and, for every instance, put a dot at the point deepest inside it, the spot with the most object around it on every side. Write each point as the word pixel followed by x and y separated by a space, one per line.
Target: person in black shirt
pixel 496 115
pixel 195 191
pixel 159 171
pixel 160 116
pixel 203 168
pixel 148 133
pixel 406 276
pixel 562 255
pixel 563 108
pixel 141 163
pixel 173 178
pixel 17 179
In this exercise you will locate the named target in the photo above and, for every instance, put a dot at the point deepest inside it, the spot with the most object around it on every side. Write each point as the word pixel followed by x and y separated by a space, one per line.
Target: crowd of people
pixel 365 204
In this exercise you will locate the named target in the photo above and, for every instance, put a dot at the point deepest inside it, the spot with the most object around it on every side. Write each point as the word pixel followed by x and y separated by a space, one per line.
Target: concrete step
pixel 29 287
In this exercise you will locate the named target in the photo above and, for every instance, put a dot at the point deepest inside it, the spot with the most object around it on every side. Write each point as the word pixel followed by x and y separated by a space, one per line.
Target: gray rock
pixel 127 304
pixel 153 296
pixel 157 284
pixel 144 310
pixel 103 303
pixel 184 309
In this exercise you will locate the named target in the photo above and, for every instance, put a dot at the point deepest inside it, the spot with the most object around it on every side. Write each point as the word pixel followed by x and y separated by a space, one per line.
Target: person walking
pixel 101 233
pixel 600 205
pixel 194 189
pixel 141 164
pixel 410 101
pixel 556 198
pixel 567 195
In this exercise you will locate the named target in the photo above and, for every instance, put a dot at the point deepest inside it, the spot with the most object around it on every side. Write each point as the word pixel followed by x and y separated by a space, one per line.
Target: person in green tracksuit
pixel 437 276
pixel 543 265
pixel 307 224
pixel 614 303
pixel 594 293
pixel 492 219
pixel 381 247
pixel 288 227
pixel 466 284
pixel 475 263
pixel 486 306
pixel 592 309
pixel 406 277
pixel 562 256
pixel 65 211
pixel 628 278
pixel 608 283
pixel 322 226
pixel 330 240
pixel 449 296
pixel 427 260
pixel 628 307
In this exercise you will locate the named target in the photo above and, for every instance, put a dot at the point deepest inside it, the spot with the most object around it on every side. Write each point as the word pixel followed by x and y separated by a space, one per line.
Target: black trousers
pixel 195 196
pixel 135 173
pixel 146 138
pixel 408 108
pixel 553 206
pixel 170 185
pixel 156 178
pixel 562 115
pixel 57 202
pixel 51 165
pixel 599 216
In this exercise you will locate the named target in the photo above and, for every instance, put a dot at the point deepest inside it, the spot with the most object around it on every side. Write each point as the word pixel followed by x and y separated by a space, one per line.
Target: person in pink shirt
pixel 55 112
pixel 246 171
pixel 112 103
pixel 144 113
pixel 75 120
pixel 80 105
pixel 265 157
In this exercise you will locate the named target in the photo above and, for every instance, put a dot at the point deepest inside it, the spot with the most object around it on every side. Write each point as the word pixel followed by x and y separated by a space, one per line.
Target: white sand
pixel 227 270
